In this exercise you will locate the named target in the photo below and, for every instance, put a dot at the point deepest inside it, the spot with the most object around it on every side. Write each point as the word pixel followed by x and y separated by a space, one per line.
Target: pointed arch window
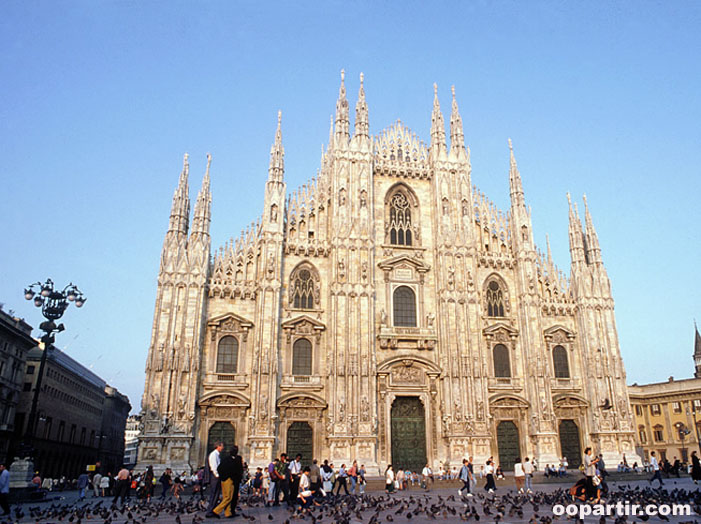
pixel 227 355
pixel 400 233
pixel 302 357
pixel 502 364
pixel 304 288
pixel 495 299
pixel 404 307
pixel 560 362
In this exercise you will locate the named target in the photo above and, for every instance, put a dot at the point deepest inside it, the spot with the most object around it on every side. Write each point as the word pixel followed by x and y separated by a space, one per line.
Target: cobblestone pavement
pixel 440 504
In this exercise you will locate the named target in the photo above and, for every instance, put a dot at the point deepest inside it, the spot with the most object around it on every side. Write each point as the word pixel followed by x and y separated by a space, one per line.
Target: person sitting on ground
pixel 499 473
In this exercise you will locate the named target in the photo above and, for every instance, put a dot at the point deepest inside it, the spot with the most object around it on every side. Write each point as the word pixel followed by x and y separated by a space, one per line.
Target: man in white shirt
pixel 528 472
pixel 214 485
pixel 427 475
pixel 656 474
pixel 519 475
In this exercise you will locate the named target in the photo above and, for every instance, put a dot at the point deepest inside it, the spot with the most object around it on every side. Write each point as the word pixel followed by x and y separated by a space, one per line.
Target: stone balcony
pixel 408 338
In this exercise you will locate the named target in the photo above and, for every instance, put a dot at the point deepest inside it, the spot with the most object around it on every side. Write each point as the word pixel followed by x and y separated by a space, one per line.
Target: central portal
pixel 300 440
pixel 408 434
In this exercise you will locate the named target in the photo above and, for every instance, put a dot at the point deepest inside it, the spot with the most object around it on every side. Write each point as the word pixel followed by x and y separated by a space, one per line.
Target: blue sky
pixel 101 99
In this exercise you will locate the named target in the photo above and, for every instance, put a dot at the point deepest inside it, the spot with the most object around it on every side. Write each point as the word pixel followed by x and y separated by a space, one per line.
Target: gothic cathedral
pixel 386 311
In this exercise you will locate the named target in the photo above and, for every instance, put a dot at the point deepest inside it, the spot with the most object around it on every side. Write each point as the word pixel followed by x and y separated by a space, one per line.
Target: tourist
pixel 400 479
pixel 655 466
pixel 341 479
pixel 283 480
pixel 499 473
pixel 305 494
pixel 465 478
pixel 4 489
pixel 122 485
pixel 695 468
pixel 166 481
pixel 520 475
pixel 315 477
pixel 326 477
pixel 361 479
pixel 82 484
pixel 211 477
pixel 528 469
pixel 426 476
pixel 95 482
pixel 589 472
pixel 353 476
pixel 490 486
pixel 105 484
pixel 149 480
pixel 295 468
pixel 389 480
pixel 273 476
pixel 227 482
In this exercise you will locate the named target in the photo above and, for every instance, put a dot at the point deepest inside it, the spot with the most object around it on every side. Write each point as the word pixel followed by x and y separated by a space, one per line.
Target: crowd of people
pixel 287 481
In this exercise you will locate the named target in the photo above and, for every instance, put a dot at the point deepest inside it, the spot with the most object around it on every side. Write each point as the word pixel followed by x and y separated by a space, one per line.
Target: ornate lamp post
pixel 683 432
pixel 53 304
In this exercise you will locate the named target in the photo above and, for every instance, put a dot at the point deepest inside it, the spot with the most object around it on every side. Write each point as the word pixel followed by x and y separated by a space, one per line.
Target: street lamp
pixel 53 304
pixel 683 432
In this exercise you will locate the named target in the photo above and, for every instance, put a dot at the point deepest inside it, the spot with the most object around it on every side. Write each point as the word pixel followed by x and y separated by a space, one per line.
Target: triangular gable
pixel 391 263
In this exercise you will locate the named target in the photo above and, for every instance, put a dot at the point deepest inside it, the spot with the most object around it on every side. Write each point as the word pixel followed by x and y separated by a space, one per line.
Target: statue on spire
pixel 361 113
pixel 276 170
pixel 457 137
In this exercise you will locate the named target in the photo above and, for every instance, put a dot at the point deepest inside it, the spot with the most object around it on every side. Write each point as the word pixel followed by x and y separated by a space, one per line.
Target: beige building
pixel 668 414
pixel 15 342
pixel 385 311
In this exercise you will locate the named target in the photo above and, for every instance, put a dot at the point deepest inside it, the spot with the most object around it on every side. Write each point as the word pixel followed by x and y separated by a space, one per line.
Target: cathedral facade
pixel 387 312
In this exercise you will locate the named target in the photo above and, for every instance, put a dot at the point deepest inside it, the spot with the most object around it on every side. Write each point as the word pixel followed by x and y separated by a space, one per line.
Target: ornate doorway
pixel 408 438
pixel 221 432
pixel 300 441
pixel 570 445
pixel 508 444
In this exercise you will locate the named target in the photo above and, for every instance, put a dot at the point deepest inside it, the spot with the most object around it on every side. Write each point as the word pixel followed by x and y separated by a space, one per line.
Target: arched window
pixel 404 307
pixel 400 220
pixel 302 357
pixel 228 355
pixel 658 433
pixel 303 289
pixel 502 366
pixel 560 364
pixel 495 299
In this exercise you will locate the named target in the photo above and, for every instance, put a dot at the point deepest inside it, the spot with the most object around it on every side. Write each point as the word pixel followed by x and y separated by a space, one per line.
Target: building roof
pixel 670 387
pixel 62 359
pixel 16 325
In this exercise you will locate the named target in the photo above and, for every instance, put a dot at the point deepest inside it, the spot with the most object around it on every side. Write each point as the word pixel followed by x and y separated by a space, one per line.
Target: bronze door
pixel 508 445
pixel 300 440
pixel 221 432
pixel 408 437
pixel 569 443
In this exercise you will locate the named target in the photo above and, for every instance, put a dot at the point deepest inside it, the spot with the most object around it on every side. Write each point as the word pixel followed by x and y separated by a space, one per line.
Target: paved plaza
pixel 440 504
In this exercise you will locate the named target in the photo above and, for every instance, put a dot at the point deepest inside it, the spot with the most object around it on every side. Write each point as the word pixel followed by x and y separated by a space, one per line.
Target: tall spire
pixel 362 127
pixel 342 134
pixel 180 210
pixel 437 125
pixel 202 216
pixel 576 238
pixel 457 138
pixel 550 253
pixel 697 352
pixel 593 249
pixel 276 171
pixel 515 184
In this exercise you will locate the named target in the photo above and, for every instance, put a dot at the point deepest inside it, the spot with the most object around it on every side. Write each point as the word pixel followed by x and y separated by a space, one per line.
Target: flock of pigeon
pixel 366 509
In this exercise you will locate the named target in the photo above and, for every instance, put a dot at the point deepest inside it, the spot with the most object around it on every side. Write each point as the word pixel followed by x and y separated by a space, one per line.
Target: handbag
pixel 596 480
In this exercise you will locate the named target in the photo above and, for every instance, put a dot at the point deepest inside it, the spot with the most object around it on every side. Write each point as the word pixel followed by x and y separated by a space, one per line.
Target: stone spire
pixel 180 210
pixel 576 237
pixel 550 253
pixel 276 171
pixel 342 132
pixel 515 184
pixel 437 126
pixel 520 215
pixel 697 352
pixel 362 126
pixel 457 137
pixel 202 216
pixel 592 248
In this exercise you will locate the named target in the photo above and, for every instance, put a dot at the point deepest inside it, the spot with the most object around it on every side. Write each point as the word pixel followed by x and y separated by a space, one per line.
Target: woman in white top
pixel 490 486
pixel 389 479
pixel 519 475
